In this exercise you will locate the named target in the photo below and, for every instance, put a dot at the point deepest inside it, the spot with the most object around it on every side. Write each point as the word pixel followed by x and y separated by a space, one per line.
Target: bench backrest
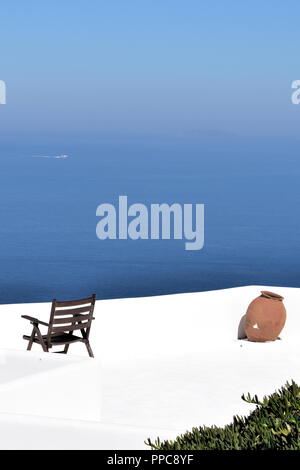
pixel 67 317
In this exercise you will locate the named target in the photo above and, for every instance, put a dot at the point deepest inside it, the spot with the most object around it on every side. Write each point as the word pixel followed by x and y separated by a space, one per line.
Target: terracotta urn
pixel 265 317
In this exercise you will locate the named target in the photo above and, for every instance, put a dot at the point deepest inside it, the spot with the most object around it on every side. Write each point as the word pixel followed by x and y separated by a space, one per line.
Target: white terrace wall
pixel 173 325
pixel 154 327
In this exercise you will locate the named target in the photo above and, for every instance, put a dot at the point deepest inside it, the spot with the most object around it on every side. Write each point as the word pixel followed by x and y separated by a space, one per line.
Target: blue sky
pixel 171 67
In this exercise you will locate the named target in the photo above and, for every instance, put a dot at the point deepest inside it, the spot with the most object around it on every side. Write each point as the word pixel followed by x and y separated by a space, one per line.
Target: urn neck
pixel 271 295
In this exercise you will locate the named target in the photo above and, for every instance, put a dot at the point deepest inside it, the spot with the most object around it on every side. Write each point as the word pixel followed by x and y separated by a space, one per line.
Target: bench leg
pixel 90 351
pixel 30 343
pixel 40 338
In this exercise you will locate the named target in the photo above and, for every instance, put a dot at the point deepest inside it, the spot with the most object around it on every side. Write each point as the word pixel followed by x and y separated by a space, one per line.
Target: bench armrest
pixel 35 320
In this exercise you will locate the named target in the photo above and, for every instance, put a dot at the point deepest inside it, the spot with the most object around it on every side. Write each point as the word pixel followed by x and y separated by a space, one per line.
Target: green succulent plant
pixel 274 424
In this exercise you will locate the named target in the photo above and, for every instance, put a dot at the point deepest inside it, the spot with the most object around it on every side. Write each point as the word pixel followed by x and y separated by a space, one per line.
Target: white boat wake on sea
pixel 52 156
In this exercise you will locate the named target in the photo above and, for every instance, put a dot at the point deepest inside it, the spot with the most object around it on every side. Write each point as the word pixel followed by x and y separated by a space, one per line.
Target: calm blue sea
pixel 48 244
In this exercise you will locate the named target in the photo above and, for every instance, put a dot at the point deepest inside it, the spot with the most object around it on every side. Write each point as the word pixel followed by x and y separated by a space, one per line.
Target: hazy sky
pixel 150 66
